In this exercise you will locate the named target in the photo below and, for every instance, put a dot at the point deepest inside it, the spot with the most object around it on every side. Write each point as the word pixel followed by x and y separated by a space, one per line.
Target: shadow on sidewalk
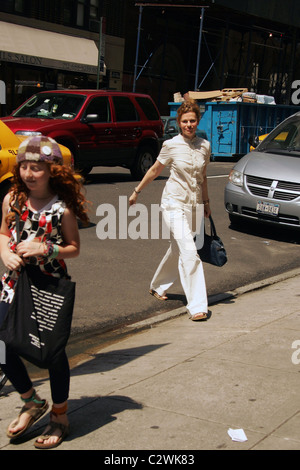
pixel 103 362
pixel 91 413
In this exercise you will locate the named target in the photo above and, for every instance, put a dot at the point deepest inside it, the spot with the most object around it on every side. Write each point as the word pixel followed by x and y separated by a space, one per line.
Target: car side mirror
pixel 253 141
pixel 90 118
pixel 171 129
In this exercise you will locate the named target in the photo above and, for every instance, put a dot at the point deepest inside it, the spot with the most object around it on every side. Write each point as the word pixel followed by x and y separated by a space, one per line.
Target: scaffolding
pixel 232 54
pixel 166 5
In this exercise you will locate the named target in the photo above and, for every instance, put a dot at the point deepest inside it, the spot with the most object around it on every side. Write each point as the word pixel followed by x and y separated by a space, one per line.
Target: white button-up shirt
pixel 187 160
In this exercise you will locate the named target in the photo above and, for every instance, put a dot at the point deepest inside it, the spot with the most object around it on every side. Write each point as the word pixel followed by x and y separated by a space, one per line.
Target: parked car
pixel 255 140
pixel 101 128
pixel 9 143
pixel 265 184
pixel 171 129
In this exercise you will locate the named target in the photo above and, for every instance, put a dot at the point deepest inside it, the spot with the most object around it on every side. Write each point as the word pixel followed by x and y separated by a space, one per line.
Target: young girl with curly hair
pixel 49 200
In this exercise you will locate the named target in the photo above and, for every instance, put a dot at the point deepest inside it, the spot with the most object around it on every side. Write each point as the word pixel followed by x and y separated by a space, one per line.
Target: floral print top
pixel 38 226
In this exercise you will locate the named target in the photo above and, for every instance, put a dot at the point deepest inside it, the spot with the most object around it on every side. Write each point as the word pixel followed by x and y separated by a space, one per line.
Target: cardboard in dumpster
pixel 203 95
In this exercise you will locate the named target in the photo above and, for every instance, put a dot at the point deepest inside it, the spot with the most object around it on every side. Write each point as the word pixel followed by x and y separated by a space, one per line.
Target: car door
pixel 128 129
pixel 97 139
pixel 171 128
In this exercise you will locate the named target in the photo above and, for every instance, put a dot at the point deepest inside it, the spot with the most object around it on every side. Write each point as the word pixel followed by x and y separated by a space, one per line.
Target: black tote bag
pixel 213 250
pixel 38 321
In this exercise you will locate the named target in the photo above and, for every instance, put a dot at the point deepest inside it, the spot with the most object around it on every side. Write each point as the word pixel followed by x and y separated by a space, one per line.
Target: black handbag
pixel 213 250
pixel 38 321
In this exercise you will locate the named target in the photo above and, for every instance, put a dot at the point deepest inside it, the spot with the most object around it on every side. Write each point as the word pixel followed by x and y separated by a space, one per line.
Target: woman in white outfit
pixel 184 202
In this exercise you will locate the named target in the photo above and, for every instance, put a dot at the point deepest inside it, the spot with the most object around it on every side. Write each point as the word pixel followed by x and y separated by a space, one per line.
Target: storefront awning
pixel 30 46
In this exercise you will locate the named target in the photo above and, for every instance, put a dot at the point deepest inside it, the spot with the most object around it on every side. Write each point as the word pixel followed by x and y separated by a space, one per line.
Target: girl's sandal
pixel 34 414
pixel 157 296
pixel 51 430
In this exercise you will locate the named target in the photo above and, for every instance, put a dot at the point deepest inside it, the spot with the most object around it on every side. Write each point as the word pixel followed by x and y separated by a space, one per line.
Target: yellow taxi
pixel 9 143
pixel 260 138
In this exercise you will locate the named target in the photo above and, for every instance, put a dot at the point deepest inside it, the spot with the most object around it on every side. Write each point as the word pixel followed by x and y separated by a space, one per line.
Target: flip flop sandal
pixel 157 296
pixel 199 316
pixel 34 413
pixel 51 429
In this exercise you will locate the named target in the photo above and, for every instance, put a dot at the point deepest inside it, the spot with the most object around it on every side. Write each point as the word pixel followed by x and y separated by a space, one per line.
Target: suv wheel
pixel 85 171
pixel 144 160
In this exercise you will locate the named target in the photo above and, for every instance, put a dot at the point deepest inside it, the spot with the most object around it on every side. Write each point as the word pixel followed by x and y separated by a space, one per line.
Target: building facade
pixel 243 44
pixel 151 47
pixel 52 44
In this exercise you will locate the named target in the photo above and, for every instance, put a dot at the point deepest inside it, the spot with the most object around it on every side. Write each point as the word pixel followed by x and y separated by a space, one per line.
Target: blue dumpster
pixel 229 125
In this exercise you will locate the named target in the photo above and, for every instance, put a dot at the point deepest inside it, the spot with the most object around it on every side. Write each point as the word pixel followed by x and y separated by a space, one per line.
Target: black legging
pixel 59 374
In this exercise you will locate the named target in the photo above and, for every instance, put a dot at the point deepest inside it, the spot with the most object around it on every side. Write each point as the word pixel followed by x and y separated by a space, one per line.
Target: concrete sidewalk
pixel 180 385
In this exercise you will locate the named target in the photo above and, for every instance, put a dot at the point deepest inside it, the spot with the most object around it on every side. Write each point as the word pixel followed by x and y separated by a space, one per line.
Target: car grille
pixel 280 190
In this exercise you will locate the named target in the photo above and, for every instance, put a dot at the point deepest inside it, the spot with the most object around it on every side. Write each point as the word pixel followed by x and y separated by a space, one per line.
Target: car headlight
pixel 28 133
pixel 236 178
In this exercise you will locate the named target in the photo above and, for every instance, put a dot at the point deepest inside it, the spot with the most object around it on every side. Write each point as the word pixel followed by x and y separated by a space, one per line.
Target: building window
pixel 94 9
pixel 80 12
pixel 254 77
pixel 19 6
pixel 67 7
pixel 7 6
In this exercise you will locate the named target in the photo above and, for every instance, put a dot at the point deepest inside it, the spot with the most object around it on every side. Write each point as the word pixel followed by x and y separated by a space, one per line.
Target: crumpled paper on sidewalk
pixel 237 435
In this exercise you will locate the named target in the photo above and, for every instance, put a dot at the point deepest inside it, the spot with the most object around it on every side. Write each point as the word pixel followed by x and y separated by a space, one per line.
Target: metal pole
pixel 99 53
pixel 137 48
pixel 199 48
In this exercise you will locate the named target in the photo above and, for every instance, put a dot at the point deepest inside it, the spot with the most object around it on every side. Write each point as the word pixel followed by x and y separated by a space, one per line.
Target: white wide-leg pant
pixel 182 257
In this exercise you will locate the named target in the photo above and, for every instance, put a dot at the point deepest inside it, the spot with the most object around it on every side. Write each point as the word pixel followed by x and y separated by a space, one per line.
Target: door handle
pixel 137 131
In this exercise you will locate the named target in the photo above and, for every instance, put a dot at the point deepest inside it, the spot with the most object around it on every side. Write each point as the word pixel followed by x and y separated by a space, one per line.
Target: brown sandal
pixel 51 429
pixel 199 316
pixel 34 413
pixel 49 432
pixel 157 296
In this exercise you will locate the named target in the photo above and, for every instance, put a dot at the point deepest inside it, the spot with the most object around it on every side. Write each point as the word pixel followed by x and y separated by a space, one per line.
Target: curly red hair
pixel 188 106
pixel 62 182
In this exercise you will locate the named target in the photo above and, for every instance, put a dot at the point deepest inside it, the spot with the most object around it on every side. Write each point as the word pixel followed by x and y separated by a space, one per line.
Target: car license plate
pixel 267 208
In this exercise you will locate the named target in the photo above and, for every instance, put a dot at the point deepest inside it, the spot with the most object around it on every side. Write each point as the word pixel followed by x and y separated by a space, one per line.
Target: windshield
pixel 285 138
pixel 51 106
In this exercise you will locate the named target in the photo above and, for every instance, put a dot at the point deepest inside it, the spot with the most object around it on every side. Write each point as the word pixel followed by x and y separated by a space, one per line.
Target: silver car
pixel 265 184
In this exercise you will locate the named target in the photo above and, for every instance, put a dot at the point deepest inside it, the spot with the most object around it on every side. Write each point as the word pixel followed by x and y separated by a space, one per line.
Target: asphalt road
pixel 113 275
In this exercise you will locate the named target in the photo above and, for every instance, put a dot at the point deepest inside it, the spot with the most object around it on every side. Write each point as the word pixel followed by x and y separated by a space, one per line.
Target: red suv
pixel 101 128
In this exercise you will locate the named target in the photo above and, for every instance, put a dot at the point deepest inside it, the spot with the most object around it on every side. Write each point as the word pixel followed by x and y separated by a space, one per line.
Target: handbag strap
pixel 17 218
pixel 212 227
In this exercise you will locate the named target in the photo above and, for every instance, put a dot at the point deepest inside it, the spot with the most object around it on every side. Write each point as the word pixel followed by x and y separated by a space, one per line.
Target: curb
pixel 85 347
pixel 212 300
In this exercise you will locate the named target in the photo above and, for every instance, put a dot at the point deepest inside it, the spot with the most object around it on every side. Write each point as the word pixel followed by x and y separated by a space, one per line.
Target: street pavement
pixel 170 384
